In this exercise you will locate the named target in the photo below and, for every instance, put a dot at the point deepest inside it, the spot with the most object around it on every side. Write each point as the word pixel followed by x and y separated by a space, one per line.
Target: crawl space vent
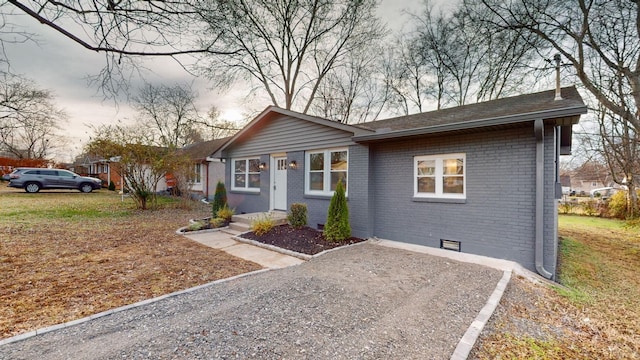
pixel 450 245
pixel 320 226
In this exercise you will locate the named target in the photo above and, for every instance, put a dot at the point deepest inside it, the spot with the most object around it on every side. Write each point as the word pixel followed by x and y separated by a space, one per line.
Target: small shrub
pixel 112 186
pixel 589 207
pixel 337 227
pixel 298 215
pixel 225 213
pixel 565 208
pixel 618 205
pixel 262 225
pixel 198 225
pixel 219 198
pixel 218 222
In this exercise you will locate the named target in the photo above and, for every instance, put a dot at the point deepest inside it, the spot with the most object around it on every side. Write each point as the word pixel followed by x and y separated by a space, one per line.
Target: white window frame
pixel 197 172
pixel 439 176
pixel 326 172
pixel 246 188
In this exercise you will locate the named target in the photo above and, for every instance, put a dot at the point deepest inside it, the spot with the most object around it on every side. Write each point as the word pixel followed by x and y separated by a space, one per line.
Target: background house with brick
pixel 480 178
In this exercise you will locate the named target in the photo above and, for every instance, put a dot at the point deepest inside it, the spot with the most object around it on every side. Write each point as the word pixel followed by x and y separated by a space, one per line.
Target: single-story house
pixel 480 178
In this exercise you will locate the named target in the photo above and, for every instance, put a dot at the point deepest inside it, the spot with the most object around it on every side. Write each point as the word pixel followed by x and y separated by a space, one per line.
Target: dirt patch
pixel 304 240
pixel 76 259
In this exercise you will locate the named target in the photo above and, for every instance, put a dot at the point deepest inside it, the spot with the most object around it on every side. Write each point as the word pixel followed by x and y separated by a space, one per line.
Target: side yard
pixel 595 314
pixel 66 255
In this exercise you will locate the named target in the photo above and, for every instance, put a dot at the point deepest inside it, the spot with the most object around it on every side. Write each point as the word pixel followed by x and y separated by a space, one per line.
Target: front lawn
pixel 67 255
pixel 595 314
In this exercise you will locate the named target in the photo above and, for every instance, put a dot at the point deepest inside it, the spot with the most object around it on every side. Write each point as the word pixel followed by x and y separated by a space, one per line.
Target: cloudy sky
pixel 58 64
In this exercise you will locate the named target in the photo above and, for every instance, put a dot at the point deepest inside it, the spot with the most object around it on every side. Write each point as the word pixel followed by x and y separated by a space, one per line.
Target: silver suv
pixel 34 179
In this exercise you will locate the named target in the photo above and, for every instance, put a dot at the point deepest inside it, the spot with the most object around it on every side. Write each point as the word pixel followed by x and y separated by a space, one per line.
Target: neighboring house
pixel 565 181
pixel 105 170
pixel 97 167
pixel 584 187
pixel 481 178
pixel 206 171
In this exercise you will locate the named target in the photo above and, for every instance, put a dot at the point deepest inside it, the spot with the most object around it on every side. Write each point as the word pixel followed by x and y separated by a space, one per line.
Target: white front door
pixel 280 183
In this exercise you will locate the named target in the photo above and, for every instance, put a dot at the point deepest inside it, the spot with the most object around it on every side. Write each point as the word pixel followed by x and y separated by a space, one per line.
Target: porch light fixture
pixel 262 166
pixel 293 165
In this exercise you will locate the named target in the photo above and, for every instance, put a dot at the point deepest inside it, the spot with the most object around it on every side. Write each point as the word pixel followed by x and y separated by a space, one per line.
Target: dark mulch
pixel 303 240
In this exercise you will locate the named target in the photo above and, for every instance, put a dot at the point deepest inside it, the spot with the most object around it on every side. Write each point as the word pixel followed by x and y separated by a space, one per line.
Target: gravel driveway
pixel 366 302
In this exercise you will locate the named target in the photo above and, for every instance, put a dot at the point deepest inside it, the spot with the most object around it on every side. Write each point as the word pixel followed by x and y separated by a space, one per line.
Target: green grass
pixel 599 262
pixel 22 207
pixel 577 221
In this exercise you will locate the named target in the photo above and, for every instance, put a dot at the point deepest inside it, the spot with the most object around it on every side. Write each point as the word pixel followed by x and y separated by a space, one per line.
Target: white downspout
pixel 538 128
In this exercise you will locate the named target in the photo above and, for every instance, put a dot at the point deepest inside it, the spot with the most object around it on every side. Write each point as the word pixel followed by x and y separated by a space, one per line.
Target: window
pixel 246 174
pixel 440 176
pixel 65 174
pixel 324 169
pixel 197 174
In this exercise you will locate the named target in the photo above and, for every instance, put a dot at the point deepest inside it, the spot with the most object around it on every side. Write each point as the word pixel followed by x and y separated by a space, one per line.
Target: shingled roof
pixel 200 151
pixel 503 111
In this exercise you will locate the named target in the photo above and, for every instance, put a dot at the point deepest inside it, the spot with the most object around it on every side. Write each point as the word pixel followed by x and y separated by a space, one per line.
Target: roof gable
pixel 273 113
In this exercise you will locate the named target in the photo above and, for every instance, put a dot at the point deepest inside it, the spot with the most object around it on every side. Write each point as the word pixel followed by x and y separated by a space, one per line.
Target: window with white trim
pixel 197 173
pixel 245 174
pixel 440 176
pixel 324 169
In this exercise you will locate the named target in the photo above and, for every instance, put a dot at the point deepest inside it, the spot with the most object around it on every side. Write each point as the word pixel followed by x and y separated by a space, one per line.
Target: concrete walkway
pixel 223 240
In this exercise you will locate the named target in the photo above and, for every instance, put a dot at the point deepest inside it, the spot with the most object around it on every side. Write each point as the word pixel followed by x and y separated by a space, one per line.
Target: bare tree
pixel 170 114
pixel 288 47
pixel 600 39
pixel 616 142
pixel 354 92
pixel 28 119
pixel 218 128
pixel 469 61
pixel 285 48
pixel 10 34
pixel 412 82
pixel 125 30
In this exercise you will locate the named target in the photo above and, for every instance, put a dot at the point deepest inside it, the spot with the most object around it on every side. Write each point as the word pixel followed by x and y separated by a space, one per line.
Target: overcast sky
pixel 58 64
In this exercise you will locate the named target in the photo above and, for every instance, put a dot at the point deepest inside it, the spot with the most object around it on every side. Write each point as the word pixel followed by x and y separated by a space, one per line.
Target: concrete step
pixel 238 227
pixel 278 217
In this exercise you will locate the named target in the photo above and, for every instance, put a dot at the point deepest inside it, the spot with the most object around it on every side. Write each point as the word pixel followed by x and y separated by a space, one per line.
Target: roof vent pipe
pixel 556 58
pixel 538 127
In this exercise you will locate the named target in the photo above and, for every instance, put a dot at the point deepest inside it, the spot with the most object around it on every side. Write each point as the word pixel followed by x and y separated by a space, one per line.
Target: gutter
pixel 538 128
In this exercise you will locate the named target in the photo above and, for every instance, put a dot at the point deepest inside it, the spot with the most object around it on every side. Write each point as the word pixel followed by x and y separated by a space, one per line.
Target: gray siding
pixel 216 172
pixel 497 218
pixel 359 200
pixel 287 134
pixel 283 134
pixel 247 202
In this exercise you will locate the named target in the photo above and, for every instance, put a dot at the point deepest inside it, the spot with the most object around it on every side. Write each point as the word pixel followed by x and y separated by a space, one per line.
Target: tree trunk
pixel 632 200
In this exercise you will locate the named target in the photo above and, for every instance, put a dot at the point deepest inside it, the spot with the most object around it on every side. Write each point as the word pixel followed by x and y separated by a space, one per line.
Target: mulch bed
pixel 303 240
